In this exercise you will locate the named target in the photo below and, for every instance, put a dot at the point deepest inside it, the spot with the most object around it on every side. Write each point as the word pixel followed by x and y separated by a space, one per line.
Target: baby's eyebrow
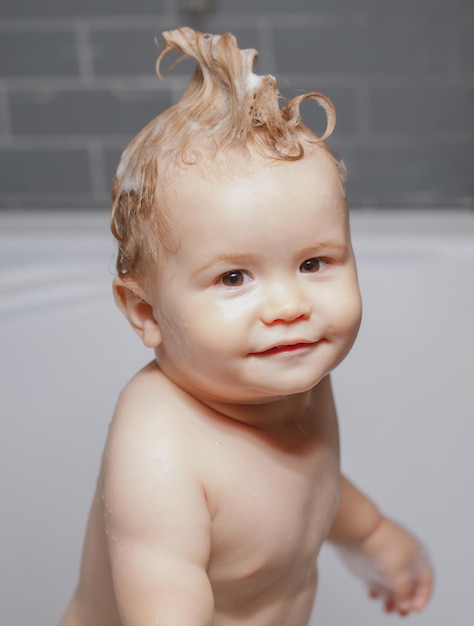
pixel 235 260
pixel 321 246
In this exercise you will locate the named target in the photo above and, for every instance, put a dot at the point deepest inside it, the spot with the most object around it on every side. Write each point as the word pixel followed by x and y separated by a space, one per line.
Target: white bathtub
pixel 405 397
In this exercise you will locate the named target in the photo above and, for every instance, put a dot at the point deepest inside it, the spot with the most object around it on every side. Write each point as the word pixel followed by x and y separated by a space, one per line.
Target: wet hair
pixel 226 108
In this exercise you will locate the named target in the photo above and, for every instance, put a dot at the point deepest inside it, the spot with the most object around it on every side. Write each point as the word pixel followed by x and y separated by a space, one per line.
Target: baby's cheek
pixel 356 313
pixel 347 312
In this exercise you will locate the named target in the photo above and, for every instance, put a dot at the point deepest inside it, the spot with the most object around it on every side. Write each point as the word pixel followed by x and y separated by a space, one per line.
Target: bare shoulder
pixel 150 422
pixel 149 401
pixel 150 466
pixel 144 389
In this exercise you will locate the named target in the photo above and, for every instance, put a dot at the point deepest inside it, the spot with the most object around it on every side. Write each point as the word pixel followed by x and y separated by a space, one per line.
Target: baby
pixel 220 478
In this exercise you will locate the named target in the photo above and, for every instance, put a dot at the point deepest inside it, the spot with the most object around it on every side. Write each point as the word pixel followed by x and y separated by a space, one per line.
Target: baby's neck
pixel 291 411
pixel 267 414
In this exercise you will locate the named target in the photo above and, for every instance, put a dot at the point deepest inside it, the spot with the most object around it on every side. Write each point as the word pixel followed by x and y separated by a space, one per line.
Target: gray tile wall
pixel 77 82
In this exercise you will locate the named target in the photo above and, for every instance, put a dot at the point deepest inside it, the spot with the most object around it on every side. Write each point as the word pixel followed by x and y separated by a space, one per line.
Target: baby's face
pixel 260 300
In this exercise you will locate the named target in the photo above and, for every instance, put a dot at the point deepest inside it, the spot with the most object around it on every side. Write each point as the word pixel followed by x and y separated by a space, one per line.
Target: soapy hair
pixel 225 110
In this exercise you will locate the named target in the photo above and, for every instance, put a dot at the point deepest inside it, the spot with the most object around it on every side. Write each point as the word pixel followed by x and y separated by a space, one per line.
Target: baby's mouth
pixel 282 348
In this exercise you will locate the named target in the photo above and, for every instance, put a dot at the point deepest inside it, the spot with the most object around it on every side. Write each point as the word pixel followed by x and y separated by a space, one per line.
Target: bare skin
pixel 254 549
pixel 220 478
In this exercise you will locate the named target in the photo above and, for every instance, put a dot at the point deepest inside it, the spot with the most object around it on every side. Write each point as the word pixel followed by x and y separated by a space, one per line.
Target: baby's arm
pixel 158 530
pixel 390 560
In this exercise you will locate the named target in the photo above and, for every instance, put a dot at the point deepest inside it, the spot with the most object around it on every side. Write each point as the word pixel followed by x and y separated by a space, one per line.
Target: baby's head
pixel 235 262
pixel 227 117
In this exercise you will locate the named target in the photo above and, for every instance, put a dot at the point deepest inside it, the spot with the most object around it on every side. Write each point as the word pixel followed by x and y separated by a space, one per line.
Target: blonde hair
pixel 226 107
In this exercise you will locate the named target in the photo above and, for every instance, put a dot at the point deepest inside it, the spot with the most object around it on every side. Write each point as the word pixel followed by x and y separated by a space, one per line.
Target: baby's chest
pixel 270 514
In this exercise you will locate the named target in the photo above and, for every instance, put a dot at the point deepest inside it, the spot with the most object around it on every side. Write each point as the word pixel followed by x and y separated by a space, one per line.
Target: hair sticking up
pixel 226 107
pixel 225 96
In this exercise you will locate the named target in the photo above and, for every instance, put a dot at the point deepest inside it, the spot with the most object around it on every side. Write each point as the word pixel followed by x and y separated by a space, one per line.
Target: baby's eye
pixel 235 278
pixel 314 264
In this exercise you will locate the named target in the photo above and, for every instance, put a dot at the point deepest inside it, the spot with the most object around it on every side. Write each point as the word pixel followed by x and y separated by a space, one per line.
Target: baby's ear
pixel 132 301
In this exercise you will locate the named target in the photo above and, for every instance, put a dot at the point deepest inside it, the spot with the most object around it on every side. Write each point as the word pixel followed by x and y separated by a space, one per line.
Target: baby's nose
pixel 284 303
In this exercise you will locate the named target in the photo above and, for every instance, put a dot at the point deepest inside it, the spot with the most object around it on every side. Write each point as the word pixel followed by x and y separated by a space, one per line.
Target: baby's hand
pixel 394 565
